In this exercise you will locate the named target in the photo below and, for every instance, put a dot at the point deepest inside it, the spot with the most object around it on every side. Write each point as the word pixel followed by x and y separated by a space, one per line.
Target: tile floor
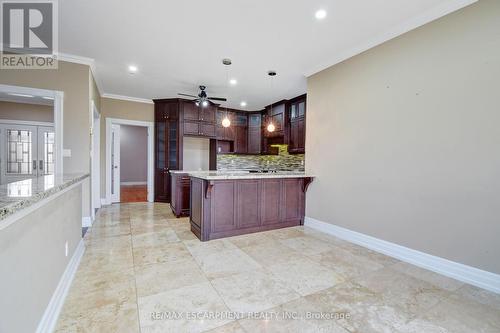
pixel 144 271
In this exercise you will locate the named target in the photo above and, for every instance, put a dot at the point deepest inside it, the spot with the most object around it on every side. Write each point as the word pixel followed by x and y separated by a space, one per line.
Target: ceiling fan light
pixel 197 103
pixel 204 104
pixel 226 122
pixel 270 127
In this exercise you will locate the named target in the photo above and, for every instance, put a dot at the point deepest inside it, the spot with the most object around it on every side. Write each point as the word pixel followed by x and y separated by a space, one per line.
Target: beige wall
pixel 33 260
pixel 26 112
pixel 405 139
pixel 73 80
pixel 196 154
pixel 114 108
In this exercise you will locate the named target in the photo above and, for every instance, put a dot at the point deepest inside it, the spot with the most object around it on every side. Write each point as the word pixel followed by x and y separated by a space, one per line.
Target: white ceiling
pixel 5 96
pixel 178 45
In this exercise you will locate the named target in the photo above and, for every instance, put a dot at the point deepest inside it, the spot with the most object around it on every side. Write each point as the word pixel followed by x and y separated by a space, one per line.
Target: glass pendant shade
pixel 226 122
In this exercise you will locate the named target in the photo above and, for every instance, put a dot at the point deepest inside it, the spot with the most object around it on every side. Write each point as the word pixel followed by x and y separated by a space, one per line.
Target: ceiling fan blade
pixel 187 95
pixel 218 99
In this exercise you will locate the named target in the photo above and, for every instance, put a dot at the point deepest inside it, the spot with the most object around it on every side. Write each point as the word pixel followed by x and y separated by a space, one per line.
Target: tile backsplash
pixel 281 162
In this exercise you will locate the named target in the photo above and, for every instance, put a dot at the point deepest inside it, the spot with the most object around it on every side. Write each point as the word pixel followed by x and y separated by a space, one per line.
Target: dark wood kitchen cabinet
pixel 180 189
pixel 297 131
pixel 225 133
pixel 198 121
pixel 254 133
pixel 277 115
pixel 225 208
pixel 241 133
pixel 168 146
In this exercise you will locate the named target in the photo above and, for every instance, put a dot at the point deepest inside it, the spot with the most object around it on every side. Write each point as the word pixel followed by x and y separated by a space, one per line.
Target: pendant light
pixel 270 125
pixel 226 122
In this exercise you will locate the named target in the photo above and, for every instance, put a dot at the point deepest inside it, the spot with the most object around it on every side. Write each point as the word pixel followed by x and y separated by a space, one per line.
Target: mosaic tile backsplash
pixel 281 162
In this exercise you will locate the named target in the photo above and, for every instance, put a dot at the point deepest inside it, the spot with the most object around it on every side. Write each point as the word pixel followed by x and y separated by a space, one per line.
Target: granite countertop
pixel 19 195
pixel 227 175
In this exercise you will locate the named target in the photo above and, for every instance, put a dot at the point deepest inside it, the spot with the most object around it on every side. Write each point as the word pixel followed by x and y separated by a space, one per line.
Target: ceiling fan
pixel 202 98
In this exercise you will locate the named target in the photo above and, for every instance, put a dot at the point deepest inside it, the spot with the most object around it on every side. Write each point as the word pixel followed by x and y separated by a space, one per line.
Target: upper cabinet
pixel 254 133
pixel 198 121
pixel 277 115
pixel 297 130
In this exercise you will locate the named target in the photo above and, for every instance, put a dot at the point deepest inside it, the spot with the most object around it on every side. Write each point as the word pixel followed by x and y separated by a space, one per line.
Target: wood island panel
pixel 225 208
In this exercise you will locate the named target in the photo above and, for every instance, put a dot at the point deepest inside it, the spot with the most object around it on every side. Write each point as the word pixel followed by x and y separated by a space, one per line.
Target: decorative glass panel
pixel 19 151
pixel 48 145
pixel 172 146
pixel 160 157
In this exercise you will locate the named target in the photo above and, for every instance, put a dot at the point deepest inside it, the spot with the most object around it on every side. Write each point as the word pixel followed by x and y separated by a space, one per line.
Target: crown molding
pixel 128 98
pixel 427 17
pixel 84 61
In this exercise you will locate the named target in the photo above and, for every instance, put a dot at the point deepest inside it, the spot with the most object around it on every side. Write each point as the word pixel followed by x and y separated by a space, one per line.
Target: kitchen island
pixel 225 204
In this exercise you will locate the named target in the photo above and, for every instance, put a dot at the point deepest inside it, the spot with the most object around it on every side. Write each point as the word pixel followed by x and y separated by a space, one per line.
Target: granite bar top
pixel 228 175
pixel 19 195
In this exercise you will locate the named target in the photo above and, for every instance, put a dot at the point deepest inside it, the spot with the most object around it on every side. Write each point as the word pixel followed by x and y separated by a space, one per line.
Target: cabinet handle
pixel 40 165
pixel 34 164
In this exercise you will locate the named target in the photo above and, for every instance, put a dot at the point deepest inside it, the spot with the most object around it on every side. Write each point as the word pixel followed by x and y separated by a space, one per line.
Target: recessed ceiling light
pixel 243 104
pixel 132 69
pixel 21 95
pixel 233 82
pixel 320 14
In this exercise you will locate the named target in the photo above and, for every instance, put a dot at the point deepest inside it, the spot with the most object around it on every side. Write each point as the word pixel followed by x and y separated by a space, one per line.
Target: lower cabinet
pixel 180 194
pixel 224 208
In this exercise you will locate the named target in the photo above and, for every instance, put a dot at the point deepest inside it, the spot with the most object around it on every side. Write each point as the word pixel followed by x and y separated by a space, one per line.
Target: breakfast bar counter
pixel 225 204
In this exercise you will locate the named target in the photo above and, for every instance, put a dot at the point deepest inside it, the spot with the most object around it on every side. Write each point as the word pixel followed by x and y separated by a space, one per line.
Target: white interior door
pixel 115 163
pixel 96 158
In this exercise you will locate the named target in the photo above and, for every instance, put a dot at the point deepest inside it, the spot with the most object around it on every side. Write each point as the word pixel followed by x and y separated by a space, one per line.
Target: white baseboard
pixel 51 314
pixel 86 222
pixel 483 279
pixel 133 183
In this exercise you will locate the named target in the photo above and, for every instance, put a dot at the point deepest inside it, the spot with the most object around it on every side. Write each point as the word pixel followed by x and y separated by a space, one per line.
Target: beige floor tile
pixel 226 263
pixel 185 235
pixel 307 245
pixel 346 264
pixel 359 309
pixel 258 239
pixel 157 278
pixel 292 317
pixel 142 249
pixel 107 318
pixel 458 315
pixel 155 310
pixel 305 276
pixel 479 295
pixel 144 228
pixel 253 291
pixel 408 294
pixel 155 238
pixel 422 274
pixel 233 327
pixel 200 249
pixel 285 233
pixel 167 253
pixel 271 254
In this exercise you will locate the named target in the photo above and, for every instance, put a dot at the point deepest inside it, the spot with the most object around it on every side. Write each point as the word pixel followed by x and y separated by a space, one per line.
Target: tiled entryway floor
pixel 143 271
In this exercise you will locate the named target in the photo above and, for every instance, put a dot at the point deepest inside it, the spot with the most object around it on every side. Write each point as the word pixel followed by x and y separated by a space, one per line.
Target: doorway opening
pixel 129 161
pixel 29 144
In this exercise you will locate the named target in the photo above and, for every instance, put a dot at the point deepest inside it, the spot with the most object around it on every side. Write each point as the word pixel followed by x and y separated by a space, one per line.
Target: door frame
pixel 150 161
pixel 115 157
pixel 95 158
pixel 58 97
